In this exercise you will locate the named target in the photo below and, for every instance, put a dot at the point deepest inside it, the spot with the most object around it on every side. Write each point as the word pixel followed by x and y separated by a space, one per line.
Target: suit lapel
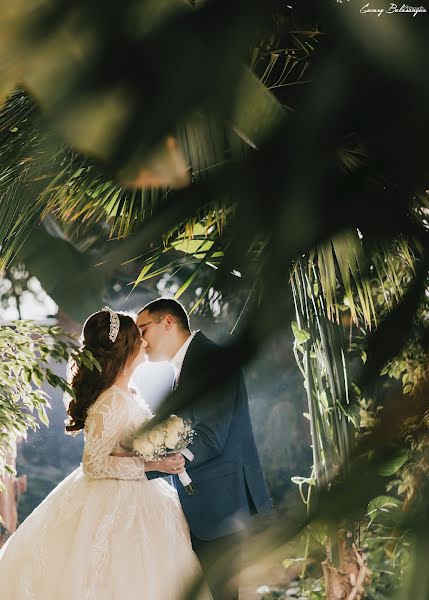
pixel 190 355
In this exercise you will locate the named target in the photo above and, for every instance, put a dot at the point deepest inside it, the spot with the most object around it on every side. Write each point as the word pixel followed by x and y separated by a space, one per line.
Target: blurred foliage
pixel 27 351
pixel 335 314
pixel 341 291
pixel 294 61
pixel 298 123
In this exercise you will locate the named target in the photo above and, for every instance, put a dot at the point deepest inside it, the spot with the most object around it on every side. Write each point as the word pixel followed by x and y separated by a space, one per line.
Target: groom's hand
pixel 173 464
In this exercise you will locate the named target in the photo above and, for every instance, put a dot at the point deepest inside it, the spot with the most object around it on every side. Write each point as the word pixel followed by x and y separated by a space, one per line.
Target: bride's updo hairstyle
pixel 112 356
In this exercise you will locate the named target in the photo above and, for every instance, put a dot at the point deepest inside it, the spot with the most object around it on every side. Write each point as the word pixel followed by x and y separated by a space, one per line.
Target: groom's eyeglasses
pixel 142 327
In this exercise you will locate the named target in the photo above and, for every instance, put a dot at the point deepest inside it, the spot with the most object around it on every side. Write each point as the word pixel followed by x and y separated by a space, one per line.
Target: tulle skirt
pixel 101 539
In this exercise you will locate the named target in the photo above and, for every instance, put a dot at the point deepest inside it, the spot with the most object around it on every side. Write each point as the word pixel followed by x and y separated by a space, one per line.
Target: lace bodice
pixel 113 418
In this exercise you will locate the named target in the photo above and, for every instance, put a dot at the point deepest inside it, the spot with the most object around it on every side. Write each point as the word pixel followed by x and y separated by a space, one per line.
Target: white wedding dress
pixel 105 532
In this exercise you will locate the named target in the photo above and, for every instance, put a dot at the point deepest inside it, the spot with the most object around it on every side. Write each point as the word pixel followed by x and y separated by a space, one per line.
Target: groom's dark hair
pixel 167 306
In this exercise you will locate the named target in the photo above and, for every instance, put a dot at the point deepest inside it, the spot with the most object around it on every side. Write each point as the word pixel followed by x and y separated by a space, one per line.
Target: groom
pixel 226 470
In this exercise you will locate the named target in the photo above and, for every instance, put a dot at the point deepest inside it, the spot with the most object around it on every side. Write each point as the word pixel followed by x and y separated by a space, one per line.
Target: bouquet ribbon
pixel 183 476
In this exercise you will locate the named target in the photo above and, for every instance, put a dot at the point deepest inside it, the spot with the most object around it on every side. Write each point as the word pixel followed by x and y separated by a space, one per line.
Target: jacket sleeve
pixel 211 420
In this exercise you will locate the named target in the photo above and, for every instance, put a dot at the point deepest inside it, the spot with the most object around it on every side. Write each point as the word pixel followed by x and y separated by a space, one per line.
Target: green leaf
pixel 257 112
pixel 10 470
pixel 207 256
pixel 301 336
pixel 198 243
pixel 37 380
pixel 383 503
pixel 86 362
pixel 288 562
pixel 324 400
pixel 43 417
pixel 395 462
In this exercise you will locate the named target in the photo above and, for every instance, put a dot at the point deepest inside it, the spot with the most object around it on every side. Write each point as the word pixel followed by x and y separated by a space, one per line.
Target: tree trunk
pixel 347 582
pixel 15 486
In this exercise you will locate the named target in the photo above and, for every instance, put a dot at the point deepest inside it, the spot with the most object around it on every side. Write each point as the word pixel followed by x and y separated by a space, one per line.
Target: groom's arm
pixel 211 419
pixel 155 474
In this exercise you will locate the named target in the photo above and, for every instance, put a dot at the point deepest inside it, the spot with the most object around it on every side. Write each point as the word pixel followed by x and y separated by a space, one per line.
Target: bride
pixel 105 532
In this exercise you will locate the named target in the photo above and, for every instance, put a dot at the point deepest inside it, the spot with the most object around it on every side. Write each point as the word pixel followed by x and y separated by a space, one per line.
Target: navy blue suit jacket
pixel 226 471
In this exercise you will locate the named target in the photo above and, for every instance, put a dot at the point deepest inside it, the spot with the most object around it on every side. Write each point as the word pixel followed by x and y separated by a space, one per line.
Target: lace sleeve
pixel 106 425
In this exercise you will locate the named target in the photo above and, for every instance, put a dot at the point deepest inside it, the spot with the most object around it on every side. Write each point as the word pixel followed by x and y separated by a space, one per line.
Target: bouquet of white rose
pixel 172 435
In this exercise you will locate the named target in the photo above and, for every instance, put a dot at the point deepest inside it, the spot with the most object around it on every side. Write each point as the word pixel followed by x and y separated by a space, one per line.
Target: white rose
pixel 174 430
pixel 157 435
pixel 145 447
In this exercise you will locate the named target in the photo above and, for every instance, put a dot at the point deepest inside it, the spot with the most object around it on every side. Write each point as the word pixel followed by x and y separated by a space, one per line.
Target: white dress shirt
pixel 177 360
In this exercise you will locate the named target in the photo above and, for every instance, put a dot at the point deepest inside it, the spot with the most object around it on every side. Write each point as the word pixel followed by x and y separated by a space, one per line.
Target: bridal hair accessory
pixel 114 323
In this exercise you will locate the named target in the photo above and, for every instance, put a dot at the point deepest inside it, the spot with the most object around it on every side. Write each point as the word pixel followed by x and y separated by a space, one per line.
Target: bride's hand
pixel 173 464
